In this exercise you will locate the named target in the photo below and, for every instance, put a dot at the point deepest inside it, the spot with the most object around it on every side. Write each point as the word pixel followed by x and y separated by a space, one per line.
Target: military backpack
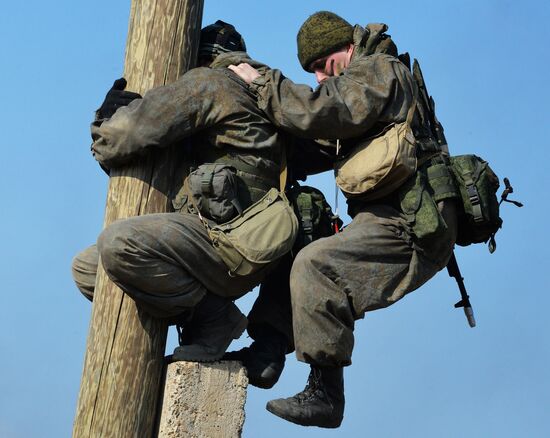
pixel 315 216
pixel 475 183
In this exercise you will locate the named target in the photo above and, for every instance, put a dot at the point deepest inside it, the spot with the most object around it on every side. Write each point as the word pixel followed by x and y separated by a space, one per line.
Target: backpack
pixel 479 218
pixel 475 181
pixel 315 216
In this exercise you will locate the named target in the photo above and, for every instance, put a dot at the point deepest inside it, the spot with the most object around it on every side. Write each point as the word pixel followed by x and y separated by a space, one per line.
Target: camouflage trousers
pixel 164 261
pixel 167 264
pixel 371 264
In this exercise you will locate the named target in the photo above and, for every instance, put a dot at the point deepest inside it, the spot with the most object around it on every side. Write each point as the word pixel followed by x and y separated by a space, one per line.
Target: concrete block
pixel 203 400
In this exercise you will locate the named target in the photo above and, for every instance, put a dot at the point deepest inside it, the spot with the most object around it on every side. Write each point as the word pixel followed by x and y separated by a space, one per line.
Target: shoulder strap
pixel 410 113
pixel 284 170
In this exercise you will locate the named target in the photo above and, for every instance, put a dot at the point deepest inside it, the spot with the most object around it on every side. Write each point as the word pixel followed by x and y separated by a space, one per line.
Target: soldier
pixel 380 256
pixel 166 261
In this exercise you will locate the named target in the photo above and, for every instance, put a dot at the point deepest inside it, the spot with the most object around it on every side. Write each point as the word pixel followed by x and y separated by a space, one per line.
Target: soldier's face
pixel 332 65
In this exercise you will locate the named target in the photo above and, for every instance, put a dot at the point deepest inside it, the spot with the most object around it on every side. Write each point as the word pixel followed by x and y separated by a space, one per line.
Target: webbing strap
pixel 207 180
pixel 474 199
pixel 191 199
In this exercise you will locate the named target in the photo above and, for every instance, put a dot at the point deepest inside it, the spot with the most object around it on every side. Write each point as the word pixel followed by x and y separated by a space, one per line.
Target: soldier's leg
pixel 271 310
pixel 167 264
pixel 270 326
pixel 369 265
pixel 84 270
pixel 372 264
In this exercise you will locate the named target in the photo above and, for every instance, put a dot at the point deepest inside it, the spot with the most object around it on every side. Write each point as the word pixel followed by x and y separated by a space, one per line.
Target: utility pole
pixel 123 366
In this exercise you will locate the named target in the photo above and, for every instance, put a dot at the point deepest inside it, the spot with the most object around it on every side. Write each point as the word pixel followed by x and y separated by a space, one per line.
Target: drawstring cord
pixel 336 193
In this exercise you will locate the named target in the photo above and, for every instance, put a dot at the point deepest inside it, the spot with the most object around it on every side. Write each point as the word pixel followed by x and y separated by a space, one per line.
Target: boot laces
pixel 313 389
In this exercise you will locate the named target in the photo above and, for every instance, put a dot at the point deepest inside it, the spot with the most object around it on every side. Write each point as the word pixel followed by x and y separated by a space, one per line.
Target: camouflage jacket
pixel 212 104
pixel 215 107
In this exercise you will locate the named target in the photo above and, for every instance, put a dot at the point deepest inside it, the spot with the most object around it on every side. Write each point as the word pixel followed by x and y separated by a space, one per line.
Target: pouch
pixel 381 164
pixel 479 217
pixel 420 209
pixel 214 188
pixel 263 233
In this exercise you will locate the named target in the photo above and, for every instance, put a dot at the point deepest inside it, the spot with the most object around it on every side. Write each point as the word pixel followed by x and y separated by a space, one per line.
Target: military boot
pixel 321 403
pixel 215 323
pixel 264 360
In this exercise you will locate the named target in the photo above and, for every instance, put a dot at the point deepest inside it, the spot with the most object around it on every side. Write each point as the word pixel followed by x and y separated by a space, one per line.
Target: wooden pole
pixel 125 347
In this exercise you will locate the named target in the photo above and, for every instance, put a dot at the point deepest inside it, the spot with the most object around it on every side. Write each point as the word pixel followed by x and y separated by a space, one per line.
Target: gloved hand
pixel 115 98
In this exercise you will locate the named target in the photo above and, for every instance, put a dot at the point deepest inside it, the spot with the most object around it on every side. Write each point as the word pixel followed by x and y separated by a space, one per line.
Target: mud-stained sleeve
pixel 164 116
pixel 346 106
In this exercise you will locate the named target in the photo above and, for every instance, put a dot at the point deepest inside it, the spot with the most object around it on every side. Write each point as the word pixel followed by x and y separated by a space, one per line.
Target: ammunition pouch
pixel 418 198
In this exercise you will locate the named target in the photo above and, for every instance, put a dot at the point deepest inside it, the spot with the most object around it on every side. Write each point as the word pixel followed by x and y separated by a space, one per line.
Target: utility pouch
pixel 479 218
pixel 420 209
pixel 379 165
pixel 264 232
pixel 214 188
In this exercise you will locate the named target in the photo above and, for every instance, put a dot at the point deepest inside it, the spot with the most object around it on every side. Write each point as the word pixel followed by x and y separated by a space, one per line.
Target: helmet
pixel 220 37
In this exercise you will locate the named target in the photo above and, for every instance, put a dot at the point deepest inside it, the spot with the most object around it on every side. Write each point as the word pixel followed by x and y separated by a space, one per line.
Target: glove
pixel 115 98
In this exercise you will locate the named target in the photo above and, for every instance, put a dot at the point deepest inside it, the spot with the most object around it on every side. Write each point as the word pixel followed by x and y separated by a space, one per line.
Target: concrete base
pixel 203 400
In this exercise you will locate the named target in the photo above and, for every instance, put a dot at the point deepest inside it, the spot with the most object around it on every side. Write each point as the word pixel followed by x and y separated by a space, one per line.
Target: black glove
pixel 115 98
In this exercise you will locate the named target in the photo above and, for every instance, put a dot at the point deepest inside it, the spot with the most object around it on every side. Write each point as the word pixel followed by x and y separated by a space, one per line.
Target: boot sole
pixel 324 424
pixel 180 354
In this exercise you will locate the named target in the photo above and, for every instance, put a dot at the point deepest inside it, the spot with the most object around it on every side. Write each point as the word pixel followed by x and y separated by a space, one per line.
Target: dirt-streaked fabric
pixel 166 261
pixel 371 264
pixel 377 259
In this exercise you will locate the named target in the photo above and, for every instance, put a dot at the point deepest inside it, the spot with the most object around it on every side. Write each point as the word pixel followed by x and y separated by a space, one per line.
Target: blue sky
pixel 418 369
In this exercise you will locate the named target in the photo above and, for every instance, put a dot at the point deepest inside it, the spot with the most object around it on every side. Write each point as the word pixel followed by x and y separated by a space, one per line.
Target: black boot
pixel 215 323
pixel 321 403
pixel 264 360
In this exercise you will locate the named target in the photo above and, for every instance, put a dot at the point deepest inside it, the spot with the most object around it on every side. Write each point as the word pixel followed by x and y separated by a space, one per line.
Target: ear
pixel 349 52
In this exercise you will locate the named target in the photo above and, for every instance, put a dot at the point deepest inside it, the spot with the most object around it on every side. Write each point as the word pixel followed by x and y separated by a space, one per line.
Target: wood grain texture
pixel 125 347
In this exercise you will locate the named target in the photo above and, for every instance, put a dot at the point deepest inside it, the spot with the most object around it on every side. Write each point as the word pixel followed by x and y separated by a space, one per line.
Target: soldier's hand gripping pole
pixel 454 271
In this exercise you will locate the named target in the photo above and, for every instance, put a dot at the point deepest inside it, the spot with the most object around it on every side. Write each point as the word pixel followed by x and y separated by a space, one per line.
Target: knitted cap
pixel 322 34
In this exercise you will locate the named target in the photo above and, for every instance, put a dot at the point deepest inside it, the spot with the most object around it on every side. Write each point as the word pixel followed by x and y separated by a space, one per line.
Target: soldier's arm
pixel 164 116
pixel 346 106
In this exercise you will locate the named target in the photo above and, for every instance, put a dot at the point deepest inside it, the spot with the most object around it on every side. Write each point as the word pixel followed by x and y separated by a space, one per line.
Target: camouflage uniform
pixel 376 259
pixel 166 261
